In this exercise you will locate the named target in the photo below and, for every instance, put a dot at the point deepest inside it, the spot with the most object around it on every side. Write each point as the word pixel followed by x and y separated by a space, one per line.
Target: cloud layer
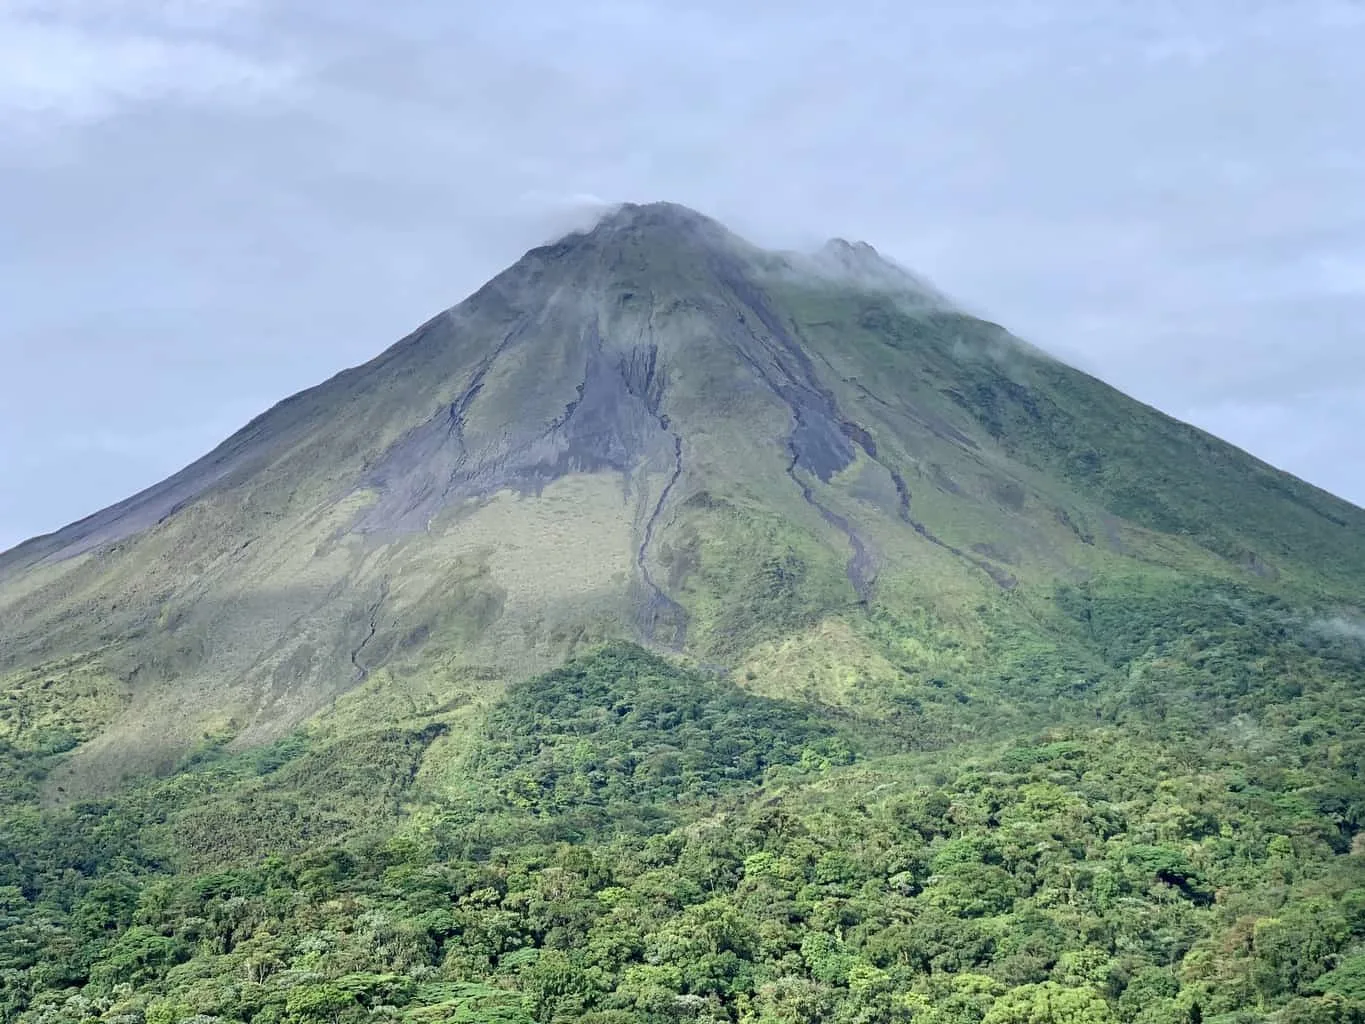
pixel 216 203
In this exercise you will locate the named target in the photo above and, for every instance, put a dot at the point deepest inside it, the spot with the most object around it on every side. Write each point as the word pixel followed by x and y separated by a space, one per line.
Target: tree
pixel 1050 1003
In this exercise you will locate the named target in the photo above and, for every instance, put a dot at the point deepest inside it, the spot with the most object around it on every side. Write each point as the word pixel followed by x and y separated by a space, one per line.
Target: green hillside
pixel 679 631
pixel 622 840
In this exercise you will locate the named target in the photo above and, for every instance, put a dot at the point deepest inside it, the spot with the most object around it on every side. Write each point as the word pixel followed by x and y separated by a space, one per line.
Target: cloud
pixel 63 61
pixel 560 214
pixel 228 201
pixel 1342 273
pixel 1341 627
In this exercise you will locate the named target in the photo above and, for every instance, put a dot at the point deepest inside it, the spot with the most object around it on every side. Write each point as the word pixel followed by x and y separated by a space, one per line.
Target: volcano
pixel 809 471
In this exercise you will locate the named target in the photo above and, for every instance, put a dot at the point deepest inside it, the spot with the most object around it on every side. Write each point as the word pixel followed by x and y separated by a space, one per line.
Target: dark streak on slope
pixel 902 493
pixel 861 564
pixel 373 616
pixel 661 607
pixel 865 441
pixel 936 425
pixel 612 424
pixel 416 475
pixel 815 443
pixel 1002 579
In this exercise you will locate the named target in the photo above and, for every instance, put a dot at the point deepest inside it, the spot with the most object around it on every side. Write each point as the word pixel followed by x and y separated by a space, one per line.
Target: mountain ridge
pixel 647 430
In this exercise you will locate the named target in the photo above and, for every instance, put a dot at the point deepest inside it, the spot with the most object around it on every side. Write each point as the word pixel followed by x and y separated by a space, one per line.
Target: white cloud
pixel 1341 627
pixel 63 61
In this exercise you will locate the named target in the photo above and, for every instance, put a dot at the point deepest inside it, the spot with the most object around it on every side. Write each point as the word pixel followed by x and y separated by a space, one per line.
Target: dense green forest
pixel 1178 839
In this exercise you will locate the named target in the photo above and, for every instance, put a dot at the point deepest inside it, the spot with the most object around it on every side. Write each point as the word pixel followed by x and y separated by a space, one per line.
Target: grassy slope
pixel 1045 427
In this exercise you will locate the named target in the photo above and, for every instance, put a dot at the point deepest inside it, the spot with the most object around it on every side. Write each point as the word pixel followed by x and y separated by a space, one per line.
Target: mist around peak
pixel 860 265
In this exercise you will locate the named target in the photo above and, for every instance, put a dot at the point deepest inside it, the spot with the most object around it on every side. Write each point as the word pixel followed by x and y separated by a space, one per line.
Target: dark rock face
pixel 612 424
pixel 617 419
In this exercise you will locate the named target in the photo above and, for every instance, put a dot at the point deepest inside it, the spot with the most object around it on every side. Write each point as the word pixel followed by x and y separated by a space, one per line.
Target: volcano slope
pixel 978 691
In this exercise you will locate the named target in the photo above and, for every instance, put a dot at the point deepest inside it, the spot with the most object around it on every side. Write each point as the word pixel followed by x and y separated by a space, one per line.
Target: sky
pixel 206 205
